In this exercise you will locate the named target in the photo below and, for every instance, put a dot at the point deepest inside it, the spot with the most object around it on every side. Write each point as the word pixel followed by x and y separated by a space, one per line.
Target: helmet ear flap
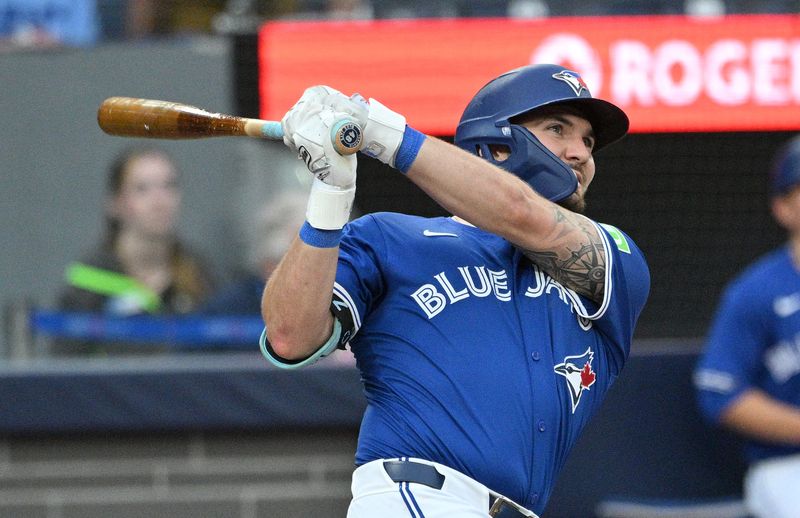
pixel 538 166
pixel 528 158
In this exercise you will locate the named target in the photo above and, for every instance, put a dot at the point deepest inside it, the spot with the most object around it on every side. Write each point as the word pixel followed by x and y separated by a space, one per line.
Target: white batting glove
pixel 313 96
pixel 312 139
pixel 332 193
pixel 383 129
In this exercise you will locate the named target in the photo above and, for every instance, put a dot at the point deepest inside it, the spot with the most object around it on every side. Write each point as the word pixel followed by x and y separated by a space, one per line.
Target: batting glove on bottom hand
pixel 307 130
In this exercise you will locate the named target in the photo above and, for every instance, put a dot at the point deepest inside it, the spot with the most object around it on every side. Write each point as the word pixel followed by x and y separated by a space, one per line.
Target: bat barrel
pixel 125 116
pixel 132 117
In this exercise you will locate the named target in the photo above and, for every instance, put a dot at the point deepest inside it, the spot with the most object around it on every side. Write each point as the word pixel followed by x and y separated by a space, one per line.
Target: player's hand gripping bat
pixel 131 117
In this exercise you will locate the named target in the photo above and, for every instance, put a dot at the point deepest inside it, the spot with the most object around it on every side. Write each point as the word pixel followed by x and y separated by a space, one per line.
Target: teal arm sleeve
pixel 324 350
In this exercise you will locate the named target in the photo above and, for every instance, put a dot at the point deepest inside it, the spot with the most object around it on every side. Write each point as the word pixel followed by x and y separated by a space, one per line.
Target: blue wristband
pixel 320 238
pixel 409 148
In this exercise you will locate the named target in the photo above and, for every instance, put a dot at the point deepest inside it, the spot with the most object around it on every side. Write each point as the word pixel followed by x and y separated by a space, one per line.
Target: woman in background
pixel 140 264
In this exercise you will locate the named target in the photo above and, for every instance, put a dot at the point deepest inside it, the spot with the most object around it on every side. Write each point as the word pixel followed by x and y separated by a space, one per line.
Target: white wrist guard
pixel 383 133
pixel 329 206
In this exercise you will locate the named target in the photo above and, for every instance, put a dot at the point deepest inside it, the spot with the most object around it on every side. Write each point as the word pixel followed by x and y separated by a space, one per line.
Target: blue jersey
pixel 473 357
pixel 754 342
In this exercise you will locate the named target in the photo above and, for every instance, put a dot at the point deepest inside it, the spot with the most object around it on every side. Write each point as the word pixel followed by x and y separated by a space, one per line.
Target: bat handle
pixel 272 130
pixel 346 135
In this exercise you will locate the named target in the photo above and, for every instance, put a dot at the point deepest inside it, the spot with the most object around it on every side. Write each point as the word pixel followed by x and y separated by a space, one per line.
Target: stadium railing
pixel 32 332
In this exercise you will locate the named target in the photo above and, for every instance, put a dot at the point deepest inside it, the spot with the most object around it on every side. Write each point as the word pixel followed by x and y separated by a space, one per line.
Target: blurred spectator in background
pixel 527 9
pixel 748 378
pixel 151 17
pixel 349 10
pixel 273 228
pixel 48 23
pixel 140 265
pixel 146 18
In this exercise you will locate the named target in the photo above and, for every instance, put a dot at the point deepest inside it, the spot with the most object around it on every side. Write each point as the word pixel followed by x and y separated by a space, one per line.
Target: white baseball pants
pixel 772 488
pixel 375 494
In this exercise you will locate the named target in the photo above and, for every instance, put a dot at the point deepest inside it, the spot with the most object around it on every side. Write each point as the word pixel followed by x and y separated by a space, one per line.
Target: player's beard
pixel 574 202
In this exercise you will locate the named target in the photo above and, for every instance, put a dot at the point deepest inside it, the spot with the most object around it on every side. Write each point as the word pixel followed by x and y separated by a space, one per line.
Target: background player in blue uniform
pixel 748 378
pixel 485 340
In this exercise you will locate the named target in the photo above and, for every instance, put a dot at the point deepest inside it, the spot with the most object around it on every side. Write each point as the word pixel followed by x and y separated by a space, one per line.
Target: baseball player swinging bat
pixel 132 117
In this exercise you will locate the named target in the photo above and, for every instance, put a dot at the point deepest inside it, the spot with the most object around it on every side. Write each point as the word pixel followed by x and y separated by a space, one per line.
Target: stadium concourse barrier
pixel 226 434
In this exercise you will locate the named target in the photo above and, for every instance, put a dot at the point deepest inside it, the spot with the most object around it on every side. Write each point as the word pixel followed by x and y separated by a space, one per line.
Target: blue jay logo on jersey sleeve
pixel 577 370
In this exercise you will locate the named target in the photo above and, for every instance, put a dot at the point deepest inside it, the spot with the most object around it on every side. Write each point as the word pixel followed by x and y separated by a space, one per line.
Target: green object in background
pixel 106 282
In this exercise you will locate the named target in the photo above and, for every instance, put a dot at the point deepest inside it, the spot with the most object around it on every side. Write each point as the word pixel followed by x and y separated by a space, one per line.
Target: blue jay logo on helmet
pixel 488 120
pixel 574 81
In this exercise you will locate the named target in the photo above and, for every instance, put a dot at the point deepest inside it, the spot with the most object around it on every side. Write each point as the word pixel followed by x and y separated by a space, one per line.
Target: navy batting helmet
pixel 486 120
pixel 785 173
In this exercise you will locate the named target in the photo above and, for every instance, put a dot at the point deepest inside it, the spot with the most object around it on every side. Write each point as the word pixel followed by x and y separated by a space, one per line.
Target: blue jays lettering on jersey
pixel 754 342
pixel 528 361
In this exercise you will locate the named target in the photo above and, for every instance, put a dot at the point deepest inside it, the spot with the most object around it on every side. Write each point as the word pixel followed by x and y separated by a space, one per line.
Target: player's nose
pixel 576 151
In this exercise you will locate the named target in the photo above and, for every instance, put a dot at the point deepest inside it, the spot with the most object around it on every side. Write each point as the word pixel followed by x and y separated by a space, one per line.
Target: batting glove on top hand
pixel 383 129
pixel 385 134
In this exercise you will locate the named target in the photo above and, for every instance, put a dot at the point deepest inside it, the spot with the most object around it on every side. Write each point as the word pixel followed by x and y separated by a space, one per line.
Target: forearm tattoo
pixel 575 256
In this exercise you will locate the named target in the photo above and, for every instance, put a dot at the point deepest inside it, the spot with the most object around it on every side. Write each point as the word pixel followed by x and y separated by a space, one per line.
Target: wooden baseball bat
pixel 148 118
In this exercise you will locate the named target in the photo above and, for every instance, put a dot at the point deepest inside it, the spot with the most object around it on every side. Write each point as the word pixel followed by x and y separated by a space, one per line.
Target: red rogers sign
pixel 669 73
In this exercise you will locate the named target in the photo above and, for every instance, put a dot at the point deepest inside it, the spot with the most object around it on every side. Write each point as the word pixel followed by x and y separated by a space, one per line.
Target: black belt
pixel 427 475
pixel 416 472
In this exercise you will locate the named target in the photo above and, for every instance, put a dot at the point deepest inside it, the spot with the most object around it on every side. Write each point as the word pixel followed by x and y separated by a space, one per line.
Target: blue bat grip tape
pixel 272 130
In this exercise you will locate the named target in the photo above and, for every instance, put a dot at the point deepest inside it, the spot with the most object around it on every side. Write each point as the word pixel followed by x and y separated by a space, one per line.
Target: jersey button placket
pixel 536 356
pixel 541 426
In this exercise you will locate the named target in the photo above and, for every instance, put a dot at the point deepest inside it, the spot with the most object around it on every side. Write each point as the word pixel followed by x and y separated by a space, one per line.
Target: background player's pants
pixel 376 495
pixel 772 488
